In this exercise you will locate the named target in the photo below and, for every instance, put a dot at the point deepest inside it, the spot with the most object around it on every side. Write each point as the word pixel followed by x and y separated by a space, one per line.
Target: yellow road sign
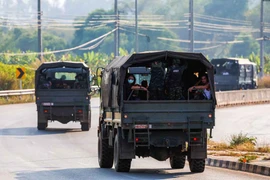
pixel 20 73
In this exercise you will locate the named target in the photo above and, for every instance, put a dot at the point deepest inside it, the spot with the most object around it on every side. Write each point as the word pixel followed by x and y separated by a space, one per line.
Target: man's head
pixel 204 79
pixel 176 61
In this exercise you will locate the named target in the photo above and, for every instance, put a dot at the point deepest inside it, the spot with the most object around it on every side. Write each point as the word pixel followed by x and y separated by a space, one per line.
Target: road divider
pixel 225 98
pixel 242 97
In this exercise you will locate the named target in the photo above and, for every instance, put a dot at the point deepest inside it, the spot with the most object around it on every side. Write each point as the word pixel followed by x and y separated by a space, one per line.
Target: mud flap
pixel 197 152
pixel 127 150
pixel 40 115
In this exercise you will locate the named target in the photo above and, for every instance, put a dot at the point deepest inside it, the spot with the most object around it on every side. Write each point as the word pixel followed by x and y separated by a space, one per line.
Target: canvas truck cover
pixel 114 74
pixel 67 64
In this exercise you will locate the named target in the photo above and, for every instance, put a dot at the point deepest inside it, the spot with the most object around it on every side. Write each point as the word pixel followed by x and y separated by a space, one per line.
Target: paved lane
pixel 65 152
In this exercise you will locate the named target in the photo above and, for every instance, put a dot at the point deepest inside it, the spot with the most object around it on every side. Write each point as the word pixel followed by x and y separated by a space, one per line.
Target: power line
pixel 59 51
pixel 94 46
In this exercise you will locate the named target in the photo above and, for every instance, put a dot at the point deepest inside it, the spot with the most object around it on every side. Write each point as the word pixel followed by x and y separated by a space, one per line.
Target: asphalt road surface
pixel 65 152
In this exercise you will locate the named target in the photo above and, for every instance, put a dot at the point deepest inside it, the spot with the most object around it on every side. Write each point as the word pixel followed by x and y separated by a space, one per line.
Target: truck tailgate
pixel 169 114
pixel 62 98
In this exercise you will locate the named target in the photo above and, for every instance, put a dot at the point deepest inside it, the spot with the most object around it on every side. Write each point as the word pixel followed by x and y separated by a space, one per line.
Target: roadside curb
pixel 219 106
pixel 262 170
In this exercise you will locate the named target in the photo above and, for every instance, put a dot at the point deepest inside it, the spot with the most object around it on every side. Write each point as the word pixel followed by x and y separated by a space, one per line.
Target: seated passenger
pixel 130 86
pixel 78 79
pixel 46 83
pixel 203 90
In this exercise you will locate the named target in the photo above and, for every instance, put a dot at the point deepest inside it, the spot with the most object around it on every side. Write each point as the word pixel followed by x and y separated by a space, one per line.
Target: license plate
pixel 47 104
pixel 141 126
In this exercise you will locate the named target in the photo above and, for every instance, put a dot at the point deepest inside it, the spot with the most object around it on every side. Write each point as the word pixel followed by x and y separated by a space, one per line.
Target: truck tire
pixel 120 165
pixel 196 165
pixel 85 126
pixel 42 126
pixel 178 162
pixel 105 154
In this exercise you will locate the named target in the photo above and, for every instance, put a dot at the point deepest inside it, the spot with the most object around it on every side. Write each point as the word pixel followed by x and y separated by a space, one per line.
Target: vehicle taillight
pixel 80 111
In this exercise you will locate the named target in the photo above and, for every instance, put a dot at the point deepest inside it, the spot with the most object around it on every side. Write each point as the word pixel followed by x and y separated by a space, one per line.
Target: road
pixel 65 152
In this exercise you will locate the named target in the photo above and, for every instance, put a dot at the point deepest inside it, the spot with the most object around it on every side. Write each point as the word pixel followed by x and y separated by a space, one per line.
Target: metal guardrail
pixel 17 92
pixel 26 92
pixel 224 98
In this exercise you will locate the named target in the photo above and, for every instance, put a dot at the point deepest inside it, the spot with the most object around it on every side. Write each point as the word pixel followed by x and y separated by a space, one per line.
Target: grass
pixel 242 139
pixel 17 99
pixel 266 158
pixel 247 158
pixel 264 149
pixel 264 82
pixel 240 145
pixel 217 145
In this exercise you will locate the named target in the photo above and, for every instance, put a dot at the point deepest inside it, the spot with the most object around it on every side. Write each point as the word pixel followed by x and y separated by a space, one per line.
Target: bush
pixel 247 158
pixel 264 82
pixel 8 79
pixel 242 139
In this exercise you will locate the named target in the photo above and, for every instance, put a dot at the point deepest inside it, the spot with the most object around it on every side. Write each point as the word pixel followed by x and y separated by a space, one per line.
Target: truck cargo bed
pixel 169 114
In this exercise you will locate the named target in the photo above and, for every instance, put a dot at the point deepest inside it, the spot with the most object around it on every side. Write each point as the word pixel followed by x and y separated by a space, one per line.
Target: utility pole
pixel 40 57
pixel 262 39
pixel 118 31
pixel 116 45
pixel 136 27
pixel 191 25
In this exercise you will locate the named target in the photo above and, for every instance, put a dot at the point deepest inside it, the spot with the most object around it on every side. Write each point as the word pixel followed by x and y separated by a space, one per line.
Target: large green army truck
pixel 62 91
pixel 154 125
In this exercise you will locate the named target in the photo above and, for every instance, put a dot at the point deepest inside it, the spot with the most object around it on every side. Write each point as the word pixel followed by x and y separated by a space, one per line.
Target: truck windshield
pixel 226 67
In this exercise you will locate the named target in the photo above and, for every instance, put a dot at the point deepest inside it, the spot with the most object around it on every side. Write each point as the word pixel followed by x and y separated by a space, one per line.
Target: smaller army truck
pixel 62 94
pixel 164 124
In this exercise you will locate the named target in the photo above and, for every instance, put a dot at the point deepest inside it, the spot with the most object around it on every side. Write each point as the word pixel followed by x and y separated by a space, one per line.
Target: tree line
pixel 226 28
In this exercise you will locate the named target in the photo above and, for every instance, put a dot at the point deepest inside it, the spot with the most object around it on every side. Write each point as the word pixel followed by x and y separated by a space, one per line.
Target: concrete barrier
pixel 228 98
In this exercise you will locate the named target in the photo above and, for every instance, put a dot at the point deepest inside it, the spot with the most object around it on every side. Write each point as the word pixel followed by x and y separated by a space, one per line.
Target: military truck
pixel 62 94
pixel 159 128
pixel 235 74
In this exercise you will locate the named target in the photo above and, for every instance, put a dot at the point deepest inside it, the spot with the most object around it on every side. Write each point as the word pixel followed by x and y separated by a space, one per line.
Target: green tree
pixel 249 45
pixel 233 9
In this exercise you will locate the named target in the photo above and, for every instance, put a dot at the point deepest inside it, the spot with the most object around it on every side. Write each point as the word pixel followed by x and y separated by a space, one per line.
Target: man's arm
pixel 199 87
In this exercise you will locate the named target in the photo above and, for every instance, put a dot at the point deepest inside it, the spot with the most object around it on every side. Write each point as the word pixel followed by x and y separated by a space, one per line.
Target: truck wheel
pixel 178 162
pixel 196 165
pixel 85 126
pixel 42 126
pixel 120 165
pixel 105 154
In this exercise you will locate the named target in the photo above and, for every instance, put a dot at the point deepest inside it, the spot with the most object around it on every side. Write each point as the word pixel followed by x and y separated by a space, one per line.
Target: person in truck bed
pixel 131 87
pixel 203 89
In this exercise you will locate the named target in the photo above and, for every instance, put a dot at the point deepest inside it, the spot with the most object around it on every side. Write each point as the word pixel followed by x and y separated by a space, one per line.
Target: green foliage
pixel 8 79
pixel 26 40
pixel 250 45
pixel 233 9
pixel 241 139
pixel 247 158
pixel 127 37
